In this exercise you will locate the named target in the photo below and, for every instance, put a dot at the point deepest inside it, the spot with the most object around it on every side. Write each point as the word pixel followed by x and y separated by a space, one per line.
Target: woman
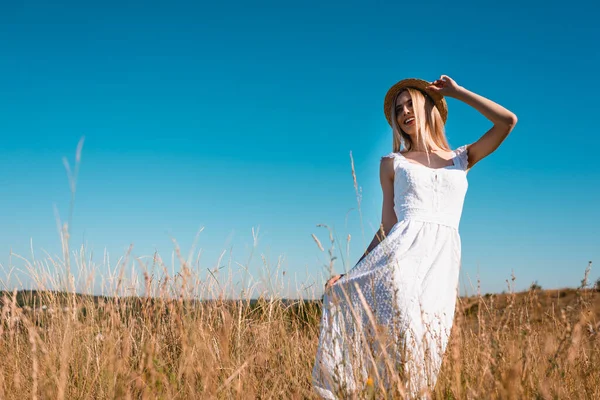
pixel 386 323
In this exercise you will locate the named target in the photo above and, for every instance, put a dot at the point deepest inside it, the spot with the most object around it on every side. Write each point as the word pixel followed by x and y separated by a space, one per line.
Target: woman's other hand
pixel 332 281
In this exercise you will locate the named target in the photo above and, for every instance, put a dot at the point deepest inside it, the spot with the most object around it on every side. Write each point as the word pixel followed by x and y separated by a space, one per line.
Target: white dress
pixel 409 283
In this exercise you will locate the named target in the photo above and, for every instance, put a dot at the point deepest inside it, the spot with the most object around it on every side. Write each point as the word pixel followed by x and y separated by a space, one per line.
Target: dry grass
pixel 536 344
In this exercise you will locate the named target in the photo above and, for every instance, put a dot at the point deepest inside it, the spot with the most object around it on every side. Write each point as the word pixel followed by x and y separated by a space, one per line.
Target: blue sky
pixel 243 115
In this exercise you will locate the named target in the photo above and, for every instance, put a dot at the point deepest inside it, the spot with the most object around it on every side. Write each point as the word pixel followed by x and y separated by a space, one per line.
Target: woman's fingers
pixel 439 83
pixel 332 280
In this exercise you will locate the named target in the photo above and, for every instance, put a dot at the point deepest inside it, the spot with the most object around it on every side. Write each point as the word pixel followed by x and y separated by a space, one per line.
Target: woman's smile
pixel 409 121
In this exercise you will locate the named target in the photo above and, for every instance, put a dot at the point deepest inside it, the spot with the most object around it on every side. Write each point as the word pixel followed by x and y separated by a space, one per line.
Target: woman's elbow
pixel 512 119
pixel 509 121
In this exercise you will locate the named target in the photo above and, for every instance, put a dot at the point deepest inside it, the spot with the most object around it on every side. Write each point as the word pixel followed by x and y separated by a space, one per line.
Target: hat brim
pixel 420 84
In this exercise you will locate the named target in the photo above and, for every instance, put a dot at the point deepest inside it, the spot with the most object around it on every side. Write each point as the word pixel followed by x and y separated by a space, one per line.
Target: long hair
pixel 430 126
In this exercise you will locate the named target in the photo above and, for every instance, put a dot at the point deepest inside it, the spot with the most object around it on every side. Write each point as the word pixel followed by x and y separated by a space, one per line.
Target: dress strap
pixel 462 156
pixel 393 156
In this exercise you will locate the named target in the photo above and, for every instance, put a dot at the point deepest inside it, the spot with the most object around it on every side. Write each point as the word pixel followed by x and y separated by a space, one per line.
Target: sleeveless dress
pixel 389 318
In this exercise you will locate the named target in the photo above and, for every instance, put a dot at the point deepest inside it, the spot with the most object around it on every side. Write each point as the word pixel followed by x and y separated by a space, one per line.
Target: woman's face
pixel 404 113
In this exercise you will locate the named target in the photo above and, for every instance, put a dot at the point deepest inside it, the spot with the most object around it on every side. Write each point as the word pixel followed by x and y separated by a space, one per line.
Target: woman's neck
pixel 428 147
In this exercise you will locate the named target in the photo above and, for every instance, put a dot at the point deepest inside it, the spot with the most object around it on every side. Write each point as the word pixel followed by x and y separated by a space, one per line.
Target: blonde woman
pixel 387 321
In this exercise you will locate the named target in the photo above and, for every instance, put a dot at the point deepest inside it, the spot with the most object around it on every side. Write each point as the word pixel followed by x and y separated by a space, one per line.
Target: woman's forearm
pixel 492 111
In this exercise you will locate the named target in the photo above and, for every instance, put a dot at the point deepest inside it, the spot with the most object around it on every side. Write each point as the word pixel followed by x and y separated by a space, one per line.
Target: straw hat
pixel 414 83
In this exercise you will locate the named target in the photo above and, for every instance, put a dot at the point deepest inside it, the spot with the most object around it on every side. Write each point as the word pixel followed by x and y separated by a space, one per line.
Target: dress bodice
pixel 430 194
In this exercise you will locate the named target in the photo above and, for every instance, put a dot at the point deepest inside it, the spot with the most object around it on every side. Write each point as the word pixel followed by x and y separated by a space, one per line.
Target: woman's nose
pixel 404 110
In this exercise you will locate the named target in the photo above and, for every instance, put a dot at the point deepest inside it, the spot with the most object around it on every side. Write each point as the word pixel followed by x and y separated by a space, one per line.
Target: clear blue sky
pixel 243 115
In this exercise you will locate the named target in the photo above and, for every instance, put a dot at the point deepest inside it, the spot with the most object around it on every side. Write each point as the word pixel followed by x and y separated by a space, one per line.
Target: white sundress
pixel 409 282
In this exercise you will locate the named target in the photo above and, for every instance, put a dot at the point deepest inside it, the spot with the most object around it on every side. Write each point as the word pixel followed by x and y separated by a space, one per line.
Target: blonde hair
pixel 430 126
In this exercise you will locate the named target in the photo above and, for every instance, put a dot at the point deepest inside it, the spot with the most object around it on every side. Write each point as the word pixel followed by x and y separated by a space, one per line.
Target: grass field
pixel 539 344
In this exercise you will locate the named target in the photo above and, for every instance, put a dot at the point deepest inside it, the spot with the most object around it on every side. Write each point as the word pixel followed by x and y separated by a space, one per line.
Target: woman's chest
pixel 417 178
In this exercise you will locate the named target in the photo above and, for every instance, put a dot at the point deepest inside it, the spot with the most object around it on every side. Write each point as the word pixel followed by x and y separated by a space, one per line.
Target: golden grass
pixel 535 344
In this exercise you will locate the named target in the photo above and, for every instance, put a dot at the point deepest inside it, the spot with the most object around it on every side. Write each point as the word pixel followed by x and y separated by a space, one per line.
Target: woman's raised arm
pixel 504 120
